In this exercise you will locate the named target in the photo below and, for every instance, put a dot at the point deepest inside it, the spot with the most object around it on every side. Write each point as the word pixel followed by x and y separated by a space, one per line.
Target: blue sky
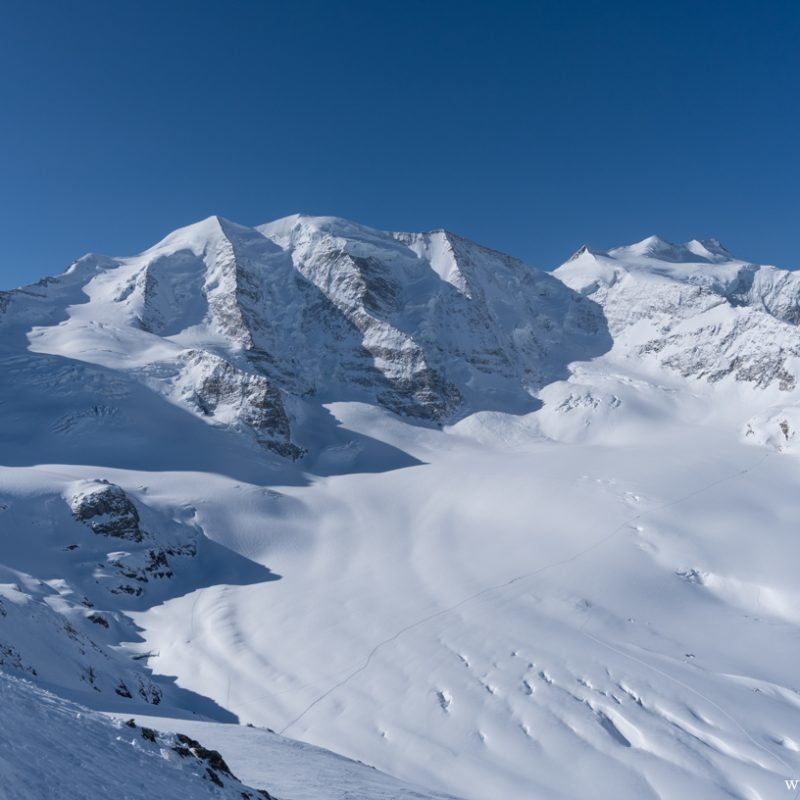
pixel 532 127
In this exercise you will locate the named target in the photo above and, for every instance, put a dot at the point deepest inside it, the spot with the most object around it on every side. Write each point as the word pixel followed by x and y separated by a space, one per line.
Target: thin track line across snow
pixel 496 587
pixel 499 586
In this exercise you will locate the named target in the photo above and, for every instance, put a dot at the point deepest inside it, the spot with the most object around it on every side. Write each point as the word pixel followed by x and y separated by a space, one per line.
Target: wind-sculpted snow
pixel 403 497
pixel 517 606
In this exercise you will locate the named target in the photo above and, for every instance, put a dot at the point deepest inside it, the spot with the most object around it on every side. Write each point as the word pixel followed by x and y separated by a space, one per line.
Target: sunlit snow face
pixel 410 500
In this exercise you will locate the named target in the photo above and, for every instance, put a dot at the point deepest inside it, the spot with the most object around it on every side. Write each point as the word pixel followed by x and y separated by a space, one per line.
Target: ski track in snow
pixel 206 365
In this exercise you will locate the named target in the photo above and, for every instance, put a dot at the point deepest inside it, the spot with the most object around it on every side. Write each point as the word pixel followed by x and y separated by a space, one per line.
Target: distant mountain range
pixel 496 531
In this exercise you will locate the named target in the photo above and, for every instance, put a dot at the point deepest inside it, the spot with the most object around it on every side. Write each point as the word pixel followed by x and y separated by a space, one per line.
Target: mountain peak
pixel 651 246
pixel 287 230
pixel 194 237
pixel 654 242
pixel 323 397
pixel 585 250
pixel 658 249
pixel 712 249
pixel 228 321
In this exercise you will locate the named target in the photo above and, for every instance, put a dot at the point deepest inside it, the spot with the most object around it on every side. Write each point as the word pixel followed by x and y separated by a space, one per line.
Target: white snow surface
pixel 493 532
pixel 291 769
pixel 51 748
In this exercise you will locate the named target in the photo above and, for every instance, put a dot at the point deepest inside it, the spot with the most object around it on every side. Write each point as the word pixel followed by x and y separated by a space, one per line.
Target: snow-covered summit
pixel 693 251
pixel 695 308
pixel 241 324
pixel 508 604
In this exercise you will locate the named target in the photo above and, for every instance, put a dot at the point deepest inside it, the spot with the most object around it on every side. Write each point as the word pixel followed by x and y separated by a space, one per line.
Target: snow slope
pixel 523 623
pixel 52 748
pixel 293 770
pixel 238 325
pixel 493 532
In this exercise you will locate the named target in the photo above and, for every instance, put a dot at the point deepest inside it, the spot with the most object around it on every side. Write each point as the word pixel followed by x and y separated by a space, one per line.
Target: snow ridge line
pixel 496 587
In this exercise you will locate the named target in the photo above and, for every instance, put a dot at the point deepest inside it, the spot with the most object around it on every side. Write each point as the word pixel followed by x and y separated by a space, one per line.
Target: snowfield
pixel 52 748
pixel 492 531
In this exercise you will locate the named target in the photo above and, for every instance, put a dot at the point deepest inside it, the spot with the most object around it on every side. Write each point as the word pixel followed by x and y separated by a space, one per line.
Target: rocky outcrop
pixel 212 765
pixel 63 646
pixel 429 325
pixel 239 325
pixel 146 565
pixel 107 510
pixel 230 396
pixel 696 310
pixel 747 346
pixel 776 427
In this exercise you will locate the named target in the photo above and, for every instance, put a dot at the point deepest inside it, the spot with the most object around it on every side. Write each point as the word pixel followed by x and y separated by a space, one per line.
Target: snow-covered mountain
pixel 239 325
pixel 696 309
pixel 497 532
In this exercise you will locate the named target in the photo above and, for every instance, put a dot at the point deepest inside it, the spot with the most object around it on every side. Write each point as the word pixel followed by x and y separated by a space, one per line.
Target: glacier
pixel 321 496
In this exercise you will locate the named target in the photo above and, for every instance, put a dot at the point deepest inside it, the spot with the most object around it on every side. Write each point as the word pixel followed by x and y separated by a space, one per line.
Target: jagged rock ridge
pixel 696 309
pixel 235 324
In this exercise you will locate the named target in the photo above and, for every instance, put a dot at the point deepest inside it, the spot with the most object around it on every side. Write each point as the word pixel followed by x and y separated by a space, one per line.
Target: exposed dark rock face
pixel 216 767
pixel 430 325
pixel 424 394
pixel 213 757
pixel 108 511
pixel 715 318
pixel 218 389
pixel 10 657
pixel 211 763
pixel 247 327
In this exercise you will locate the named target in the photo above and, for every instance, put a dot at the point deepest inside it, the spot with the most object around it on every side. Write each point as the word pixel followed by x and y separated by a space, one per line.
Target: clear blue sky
pixel 532 127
